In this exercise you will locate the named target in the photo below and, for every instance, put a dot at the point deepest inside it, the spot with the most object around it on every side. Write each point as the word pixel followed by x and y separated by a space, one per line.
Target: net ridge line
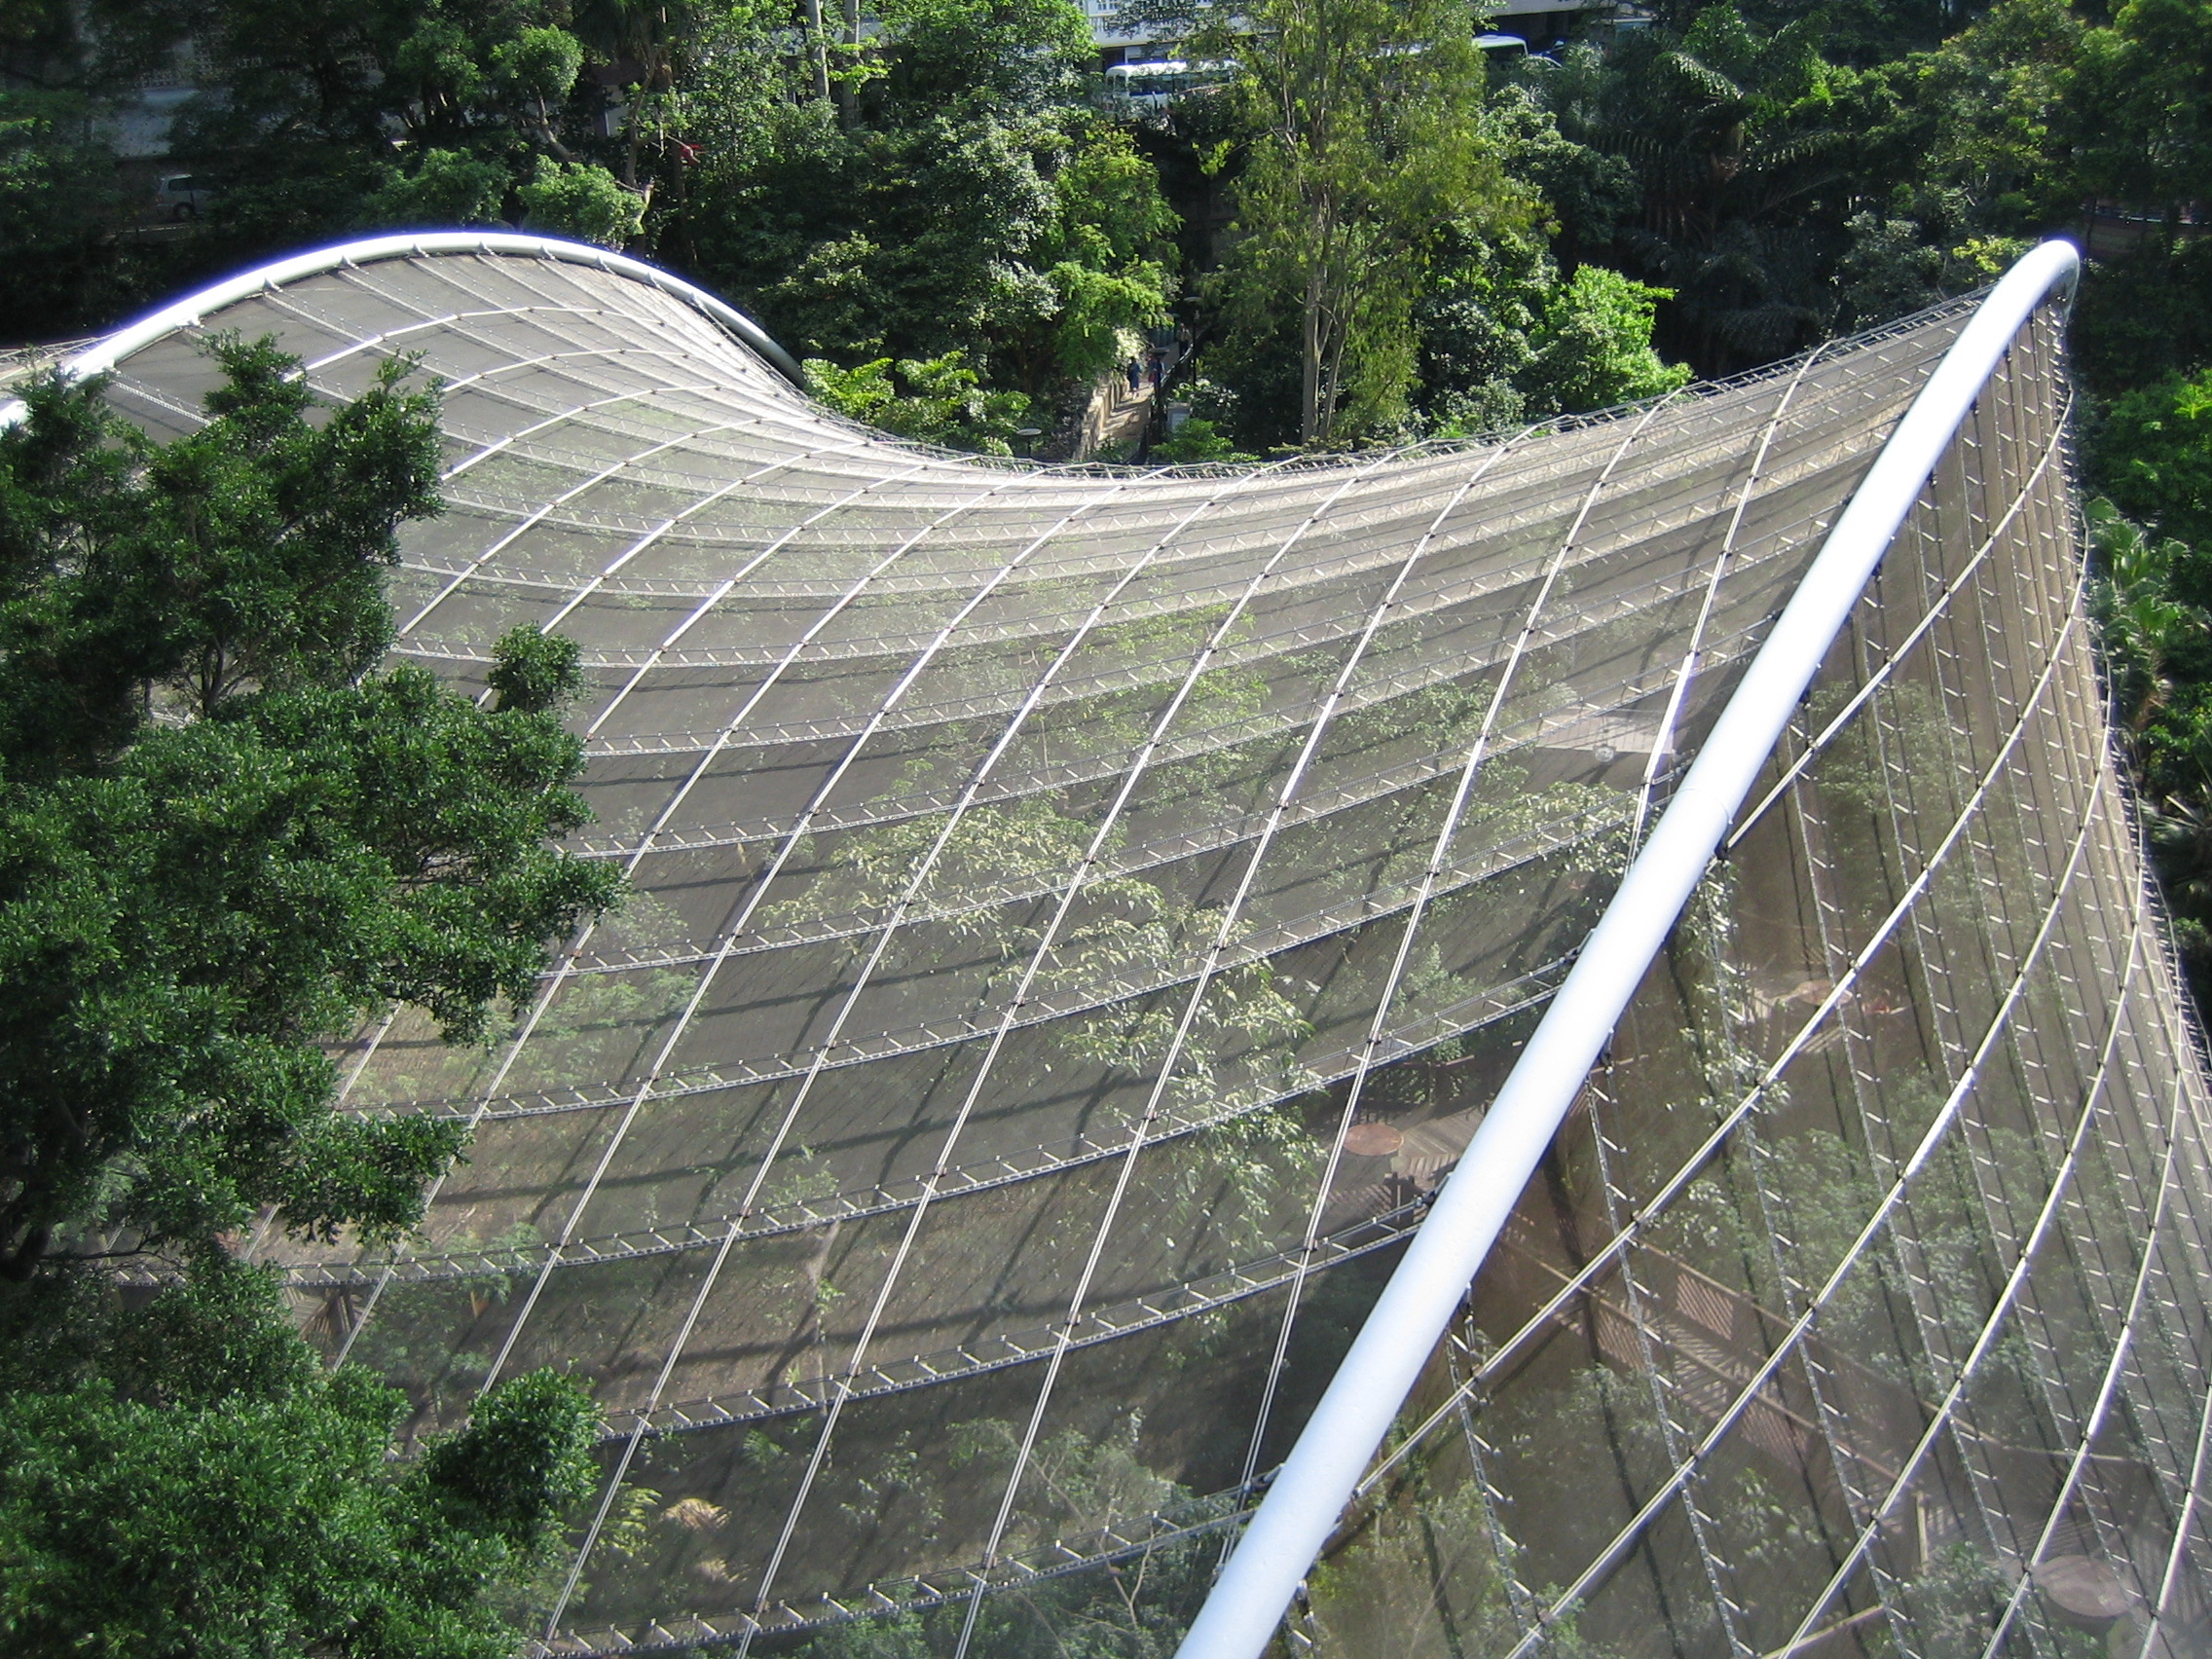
pixel 1821 450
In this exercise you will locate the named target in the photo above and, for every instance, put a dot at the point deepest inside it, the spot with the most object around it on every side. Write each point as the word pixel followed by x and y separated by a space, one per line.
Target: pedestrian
pixel 1135 372
pixel 1158 368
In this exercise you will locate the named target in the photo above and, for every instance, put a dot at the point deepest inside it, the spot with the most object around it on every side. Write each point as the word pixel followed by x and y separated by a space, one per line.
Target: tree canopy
pixel 227 838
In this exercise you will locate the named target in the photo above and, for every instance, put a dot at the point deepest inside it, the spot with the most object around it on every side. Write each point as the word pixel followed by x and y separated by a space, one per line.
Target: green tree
pixel 575 199
pixel 225 839
pixel 2143 106
pixel 327 118
pixel 1369 138
pixel 2153 451
pixel 942 401
pixel 1593 347
pixel 59 205
pixel 195 1484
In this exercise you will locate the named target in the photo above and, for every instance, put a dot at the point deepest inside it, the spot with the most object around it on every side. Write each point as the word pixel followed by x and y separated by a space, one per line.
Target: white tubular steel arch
pixel 187 311
pixel 1393 1346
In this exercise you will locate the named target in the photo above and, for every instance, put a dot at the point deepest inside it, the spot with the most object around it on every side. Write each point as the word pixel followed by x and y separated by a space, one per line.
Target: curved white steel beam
pixel 1363 1399
pixel 187 311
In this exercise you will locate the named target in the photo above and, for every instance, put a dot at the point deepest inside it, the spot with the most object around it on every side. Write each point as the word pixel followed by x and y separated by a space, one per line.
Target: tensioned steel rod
pixel 1363 1399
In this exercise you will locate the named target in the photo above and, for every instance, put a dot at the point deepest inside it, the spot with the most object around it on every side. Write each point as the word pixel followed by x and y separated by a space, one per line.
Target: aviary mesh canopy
pixel 1081 913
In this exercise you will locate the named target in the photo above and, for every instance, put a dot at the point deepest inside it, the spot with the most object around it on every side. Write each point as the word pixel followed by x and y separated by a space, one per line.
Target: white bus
pixel 1155 84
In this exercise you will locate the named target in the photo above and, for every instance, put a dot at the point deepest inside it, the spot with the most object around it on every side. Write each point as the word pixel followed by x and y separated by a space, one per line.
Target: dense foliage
pixel 227 838
pixel 226 835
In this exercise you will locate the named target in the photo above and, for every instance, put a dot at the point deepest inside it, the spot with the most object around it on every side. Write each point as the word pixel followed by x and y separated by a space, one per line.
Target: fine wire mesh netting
pixel 1082 914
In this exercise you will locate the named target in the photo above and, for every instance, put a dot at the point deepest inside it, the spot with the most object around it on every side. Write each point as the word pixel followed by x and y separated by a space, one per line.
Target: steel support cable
pixel 1985 1340
pixel 187 313
pixel 1896 655
pixel 1217 949
pixel 540 514
pixel 2180 1548
pixel 190 312
pixel 1943 975
pixel 1650 1212
pixel 1075 884
pixel 1830 919
pixel 1386 994
pixel 562 971
pixel 2037 1051
pixel 2109 1383
pixel 1263 651
pixel 627 326
pixel 758 888
pixel 1536 730
pixel 1318 726
pixel 551 987
pixel 1662 746
pixel 1662 1201
pixel 1094 854
pixel 1356 1411
pixel 1500 1002
pixel 455 325
pixel 1516 854
pixel 1365 556
pixel 553 981
pixel 1514 997
pixel 2124 1342
pixel 1602 1566
pixel 1979 454
pixel 1660 1381
pixel 757 891
pixel 1661 750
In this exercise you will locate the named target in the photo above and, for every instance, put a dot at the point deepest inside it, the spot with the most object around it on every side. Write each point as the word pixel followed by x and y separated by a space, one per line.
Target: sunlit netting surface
pixel 1082 914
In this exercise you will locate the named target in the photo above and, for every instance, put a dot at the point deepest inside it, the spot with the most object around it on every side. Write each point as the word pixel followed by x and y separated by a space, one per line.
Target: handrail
pixel 1393 1346
pixel 187 311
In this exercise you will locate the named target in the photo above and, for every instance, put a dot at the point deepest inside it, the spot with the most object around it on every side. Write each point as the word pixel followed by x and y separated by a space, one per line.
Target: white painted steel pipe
pixel 187 313
pixel 1315 1482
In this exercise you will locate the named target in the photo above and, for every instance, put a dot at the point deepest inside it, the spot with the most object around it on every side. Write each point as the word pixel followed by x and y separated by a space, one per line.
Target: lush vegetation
pixel 227 838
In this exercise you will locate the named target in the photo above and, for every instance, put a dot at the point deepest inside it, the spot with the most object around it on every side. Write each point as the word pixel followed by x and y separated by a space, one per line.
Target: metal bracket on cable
pixel 1363 1399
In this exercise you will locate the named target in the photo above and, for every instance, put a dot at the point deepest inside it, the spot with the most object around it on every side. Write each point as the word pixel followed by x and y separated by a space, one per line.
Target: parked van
pixel 180 196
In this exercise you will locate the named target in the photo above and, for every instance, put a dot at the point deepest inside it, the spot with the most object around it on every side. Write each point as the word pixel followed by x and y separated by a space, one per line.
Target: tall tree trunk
pixel 1309 359
pixel 848 106
pixel 819 45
